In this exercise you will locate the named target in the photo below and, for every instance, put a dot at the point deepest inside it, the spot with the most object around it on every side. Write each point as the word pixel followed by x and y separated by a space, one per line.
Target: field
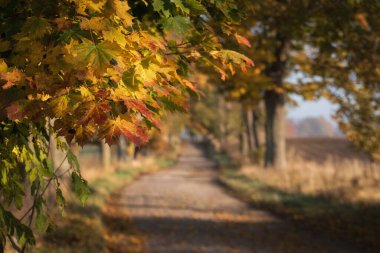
pixel 324 166
pixel 328 187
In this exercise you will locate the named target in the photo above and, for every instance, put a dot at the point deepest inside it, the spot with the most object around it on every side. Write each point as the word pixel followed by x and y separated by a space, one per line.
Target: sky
pixel 305 109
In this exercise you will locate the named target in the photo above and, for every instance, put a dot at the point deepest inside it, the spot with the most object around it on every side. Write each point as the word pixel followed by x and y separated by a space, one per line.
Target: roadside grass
pixel 84 228
pixel 356 223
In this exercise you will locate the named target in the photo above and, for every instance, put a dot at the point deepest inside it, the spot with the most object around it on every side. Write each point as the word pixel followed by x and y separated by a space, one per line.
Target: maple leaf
pixel 177 25
pixel 36 27
pixel 84 133
pixel 62 24
pixel 158 5
pixel 362 19
pixel 112 129
pixel 143 109
pixel 242 40
pixel 115 35
pixel 97 56
pixel 3 66
pixel 121 9
pixel 59 105
pixel 93 110
pixel 93 5
pixel 189 85
pixel 228 56
pixel 195 5
pixel 15 111
pixel 179 5
pixel 95 24
pixel 11 77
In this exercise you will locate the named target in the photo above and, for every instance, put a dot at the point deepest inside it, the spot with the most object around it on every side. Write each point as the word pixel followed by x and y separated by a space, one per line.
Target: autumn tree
pixel 83 69
pixel 274 32
pixel 331 49
pixel 347 62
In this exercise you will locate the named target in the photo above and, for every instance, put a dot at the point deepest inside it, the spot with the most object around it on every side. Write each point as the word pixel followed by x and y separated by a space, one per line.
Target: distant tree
pixel 314 127
pixel 347 61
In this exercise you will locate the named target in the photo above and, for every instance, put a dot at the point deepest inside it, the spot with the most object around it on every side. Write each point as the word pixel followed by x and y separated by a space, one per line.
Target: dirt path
pixel 186 210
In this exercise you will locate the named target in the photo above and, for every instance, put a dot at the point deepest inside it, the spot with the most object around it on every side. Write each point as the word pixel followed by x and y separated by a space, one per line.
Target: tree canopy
pixel 79 70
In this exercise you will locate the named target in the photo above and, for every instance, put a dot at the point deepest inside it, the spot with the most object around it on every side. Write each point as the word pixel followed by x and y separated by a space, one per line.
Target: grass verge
pixel 355 223
pixel 83 227
pixel 358 224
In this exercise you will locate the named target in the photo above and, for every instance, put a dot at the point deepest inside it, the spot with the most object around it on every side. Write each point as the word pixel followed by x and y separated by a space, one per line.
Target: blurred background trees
pixel 310 48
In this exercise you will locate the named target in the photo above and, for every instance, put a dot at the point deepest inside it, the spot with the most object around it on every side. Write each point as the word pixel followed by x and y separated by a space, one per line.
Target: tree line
pixel 330 48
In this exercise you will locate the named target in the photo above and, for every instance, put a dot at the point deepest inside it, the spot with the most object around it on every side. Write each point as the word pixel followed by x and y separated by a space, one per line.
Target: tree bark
pixel 275 130
pixel 255 131
pixel 222 125
pixel 106 156
pixel 122 149
pixel 245 147
pixel 275 155
pixel 247 128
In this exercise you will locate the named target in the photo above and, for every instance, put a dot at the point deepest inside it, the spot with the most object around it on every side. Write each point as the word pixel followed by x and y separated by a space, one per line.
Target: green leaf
pixel 73 160
pixel 179 5
pixel 178 24
pixel 22 239
pixel 195 5
pixel 96 55
pixel 59 198
pixel 80 187
pixel 4 176
pixel 33 174
pixel 129 78
pixel 171 106
pixel 40 222
pixel 158 5
pixel 36 27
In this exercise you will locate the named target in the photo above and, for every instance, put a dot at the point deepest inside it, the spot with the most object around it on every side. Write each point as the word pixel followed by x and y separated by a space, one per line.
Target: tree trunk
pixel 275 130
pixel 275 110
pixel 255 130
pixel 245 148
pixel 122 149
pixel 222 125
pixel 247 128
pixel 106 156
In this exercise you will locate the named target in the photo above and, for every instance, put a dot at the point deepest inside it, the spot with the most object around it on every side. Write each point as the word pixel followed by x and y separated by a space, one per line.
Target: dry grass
pixel 324 166
pixel 328 188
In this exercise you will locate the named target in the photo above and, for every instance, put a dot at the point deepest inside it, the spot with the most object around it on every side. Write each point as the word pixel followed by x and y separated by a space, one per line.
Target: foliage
pixel 332 52
pixel 93 69
pixel 347 62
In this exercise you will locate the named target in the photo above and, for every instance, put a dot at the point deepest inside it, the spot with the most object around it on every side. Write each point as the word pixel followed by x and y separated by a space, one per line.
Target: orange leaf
pixel 189 85
pixel 242 40
pixel 143 109
pixel 94 110
pixel 11 77
pixel 112 130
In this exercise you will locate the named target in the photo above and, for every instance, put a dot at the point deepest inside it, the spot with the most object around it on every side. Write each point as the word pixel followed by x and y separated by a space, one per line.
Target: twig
pixel 43 192
pixel 14 244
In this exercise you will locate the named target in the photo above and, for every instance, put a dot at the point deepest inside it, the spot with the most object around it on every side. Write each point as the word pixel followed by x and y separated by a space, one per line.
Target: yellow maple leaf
pixel 121 9
pixel 95 24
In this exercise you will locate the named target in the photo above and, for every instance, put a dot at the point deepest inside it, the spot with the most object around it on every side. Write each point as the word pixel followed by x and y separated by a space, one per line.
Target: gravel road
pixel 184 209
